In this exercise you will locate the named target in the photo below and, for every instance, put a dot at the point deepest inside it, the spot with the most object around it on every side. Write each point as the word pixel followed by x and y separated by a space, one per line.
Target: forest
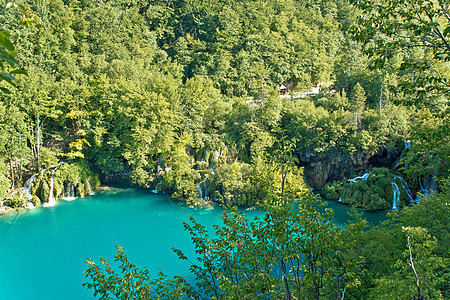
pixel 271 103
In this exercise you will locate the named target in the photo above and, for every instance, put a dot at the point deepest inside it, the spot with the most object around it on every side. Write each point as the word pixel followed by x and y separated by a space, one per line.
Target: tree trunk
pixel 11 170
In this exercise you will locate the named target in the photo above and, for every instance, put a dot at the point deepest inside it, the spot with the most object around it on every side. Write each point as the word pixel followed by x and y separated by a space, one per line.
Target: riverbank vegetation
pixel 244 103
pixel 184 97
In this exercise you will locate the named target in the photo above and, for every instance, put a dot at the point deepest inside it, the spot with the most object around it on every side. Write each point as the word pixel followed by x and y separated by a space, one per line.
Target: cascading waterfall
pixel 200 191
pixel 406 187
pixel 396 195
pixel 69 194
pixel 199 188
pixel 359 178
pixel 216 154
pixel 396 192
pixel 90 188
pixel 430 181
pixel 26 189
pixel 407 145
pixel 51 197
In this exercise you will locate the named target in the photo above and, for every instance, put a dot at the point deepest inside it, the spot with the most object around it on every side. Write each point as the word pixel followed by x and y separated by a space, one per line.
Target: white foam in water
pixel 357 179
pixel 69 198
pixel 90 188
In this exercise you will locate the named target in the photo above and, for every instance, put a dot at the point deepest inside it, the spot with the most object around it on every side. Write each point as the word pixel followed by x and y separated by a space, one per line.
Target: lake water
pixel 43 251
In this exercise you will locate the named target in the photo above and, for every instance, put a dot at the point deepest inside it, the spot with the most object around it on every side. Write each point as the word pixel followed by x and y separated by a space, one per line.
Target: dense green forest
pixel 244 103
pixel 183 97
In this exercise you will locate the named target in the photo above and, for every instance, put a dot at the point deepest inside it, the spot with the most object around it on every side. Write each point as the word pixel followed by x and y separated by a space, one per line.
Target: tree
pixel 389 28
pixel 13 141
pixel 357 102
pixel 7 57
pixel 292 253
pixel 418 272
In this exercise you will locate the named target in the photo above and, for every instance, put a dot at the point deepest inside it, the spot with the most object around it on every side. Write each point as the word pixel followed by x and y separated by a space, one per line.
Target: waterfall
pixel 199 188
pixel 426 190
pixel 69 192
pixel 51 196
pixel 26 189
pixel 89 188
pixel 396 191
pixel 407 145
pixel 406 187
pixel 359 178
pixel 216 154
pixel 396 196
pixel 340 198
pixel 430 181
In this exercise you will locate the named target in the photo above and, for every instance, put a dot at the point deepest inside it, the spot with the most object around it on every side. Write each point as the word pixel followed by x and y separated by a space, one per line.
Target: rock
pixel 332 166
pixel 43 191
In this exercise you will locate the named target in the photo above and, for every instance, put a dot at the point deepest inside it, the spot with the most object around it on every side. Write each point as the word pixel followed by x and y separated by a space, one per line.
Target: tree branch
pixel 415 273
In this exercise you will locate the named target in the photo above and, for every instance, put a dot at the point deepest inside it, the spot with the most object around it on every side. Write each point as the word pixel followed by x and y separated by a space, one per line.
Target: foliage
pixel 392 27
pixel 374 193
pixel 135 283
pixel 285 253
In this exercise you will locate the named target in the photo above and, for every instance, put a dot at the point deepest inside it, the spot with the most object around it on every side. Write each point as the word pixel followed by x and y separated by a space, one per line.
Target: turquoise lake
pixel 43 251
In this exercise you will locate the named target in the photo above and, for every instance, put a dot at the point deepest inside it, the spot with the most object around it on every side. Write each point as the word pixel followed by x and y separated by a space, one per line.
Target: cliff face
pixel 337 164
pixel 332 166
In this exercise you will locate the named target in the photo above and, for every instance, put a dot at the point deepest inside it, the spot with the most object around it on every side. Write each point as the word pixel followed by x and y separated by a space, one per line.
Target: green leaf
pixel 5 90
pixel 8 58
pixel 5 33
pixel 7 76
pixel 19 71
pixel 447 31
pixel 6 43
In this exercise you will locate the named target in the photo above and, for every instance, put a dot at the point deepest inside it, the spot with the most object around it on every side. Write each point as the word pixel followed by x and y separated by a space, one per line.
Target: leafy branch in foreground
pixel 132 283
pixel 293 252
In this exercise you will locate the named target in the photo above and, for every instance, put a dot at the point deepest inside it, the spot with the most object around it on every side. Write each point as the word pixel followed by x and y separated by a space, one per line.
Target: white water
pixel 359 178
pixel 26 189
pixel 199 188
pixel 216 154
pixel 430 181
pixel 396 196
pixel 396 192
pixel 69 194
pixel 406 187
pixel 51 197
pixel 90 188
pixel 407 145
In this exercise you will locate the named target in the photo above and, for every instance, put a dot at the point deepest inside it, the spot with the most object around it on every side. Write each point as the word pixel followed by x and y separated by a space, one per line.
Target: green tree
pixel 357 103
pixel 392 27
pixel 291 253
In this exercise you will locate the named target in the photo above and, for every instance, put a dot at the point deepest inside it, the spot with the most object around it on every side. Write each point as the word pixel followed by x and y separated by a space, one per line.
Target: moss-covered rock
pixel 35 201
pixel 43 191
pixel 374 193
